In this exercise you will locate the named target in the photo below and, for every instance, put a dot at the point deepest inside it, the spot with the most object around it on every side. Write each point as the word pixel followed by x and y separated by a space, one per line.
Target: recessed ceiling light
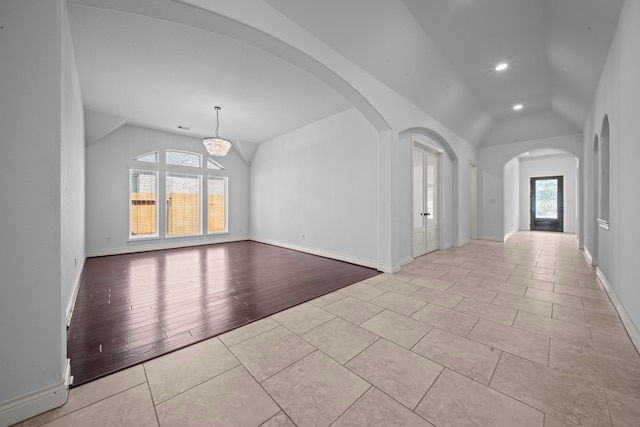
pixel 517 107
pixel 502 66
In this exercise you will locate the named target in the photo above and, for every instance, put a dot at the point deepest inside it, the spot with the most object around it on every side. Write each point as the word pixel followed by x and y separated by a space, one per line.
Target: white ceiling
pixel 439 54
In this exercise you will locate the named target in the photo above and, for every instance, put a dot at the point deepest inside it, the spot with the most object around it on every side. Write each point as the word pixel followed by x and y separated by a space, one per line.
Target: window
pixel 184 158
pixel 149 157
pixel 183 204
pixel 185 192
pixel 217 204
pixel 143 189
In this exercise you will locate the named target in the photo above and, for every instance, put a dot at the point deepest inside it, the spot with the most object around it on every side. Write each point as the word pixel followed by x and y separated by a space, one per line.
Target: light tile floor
pixel 488 334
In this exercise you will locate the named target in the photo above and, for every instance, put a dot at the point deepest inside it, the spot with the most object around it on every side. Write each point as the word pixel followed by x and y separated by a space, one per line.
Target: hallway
pixel 493 334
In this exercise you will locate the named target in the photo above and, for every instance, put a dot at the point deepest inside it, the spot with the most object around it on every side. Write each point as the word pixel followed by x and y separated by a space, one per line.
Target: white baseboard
pixel 31 404
pixel 631 328
pixel 328 254
pixel 142 246
pixel 589 257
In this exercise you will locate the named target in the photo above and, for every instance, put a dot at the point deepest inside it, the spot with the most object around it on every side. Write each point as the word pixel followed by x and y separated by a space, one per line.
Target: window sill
pixel 142 239
pixel 603 223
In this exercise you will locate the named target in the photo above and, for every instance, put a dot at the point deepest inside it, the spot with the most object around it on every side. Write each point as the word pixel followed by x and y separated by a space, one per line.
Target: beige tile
pixel 599 305
pixel 399 303
pixel 428 272
pixel 550 421
pixel 430 282
pixel 327 299
pixel 395 327
pixel 552 328
pixel 340 339
pixel 316 390
pixel 608 322
pixel 279 420
pixel 129 408
pixel 354 310
pixel 487 311
pixel 398 372
pixel 625 410
pixel 472 292
pixel 461 279
pixel 461 271
pixel 553 297
pixel 457 401
pixel 562 396
pixel 363 291
pixel 231 399
pixel 399 286
pixel 446 319
pixel 377 409
pixel 496 277
pixel 470 358
pixel 270 352
pixel 538 284
pixel 181 370
pixel 92 392
pixel 612 372
pixel 581 292
pixel 614 345
pixel 302 318
pixel 590 284
pixel 531 269
pixel 570 281
pixel 437 297
pixel 502 287
pixel 521 343
pixel 243 333
pixel 513 272
pixel 540 308
pixel 405 276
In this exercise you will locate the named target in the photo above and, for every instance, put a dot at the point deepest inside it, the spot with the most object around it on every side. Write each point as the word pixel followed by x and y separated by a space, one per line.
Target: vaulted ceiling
pixel 142 62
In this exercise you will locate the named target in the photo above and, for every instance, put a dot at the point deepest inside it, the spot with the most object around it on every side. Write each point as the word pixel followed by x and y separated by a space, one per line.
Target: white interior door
pixel 425 200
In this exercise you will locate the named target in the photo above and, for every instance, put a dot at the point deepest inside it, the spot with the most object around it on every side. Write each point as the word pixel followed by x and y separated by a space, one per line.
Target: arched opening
pixel 604 166
pixel 519 195
pixel 593 249
pixel 449 221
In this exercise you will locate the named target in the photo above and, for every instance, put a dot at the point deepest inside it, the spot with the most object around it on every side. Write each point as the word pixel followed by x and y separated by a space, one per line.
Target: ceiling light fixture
pixel 502 66
pixel 215 145
pixel 517 107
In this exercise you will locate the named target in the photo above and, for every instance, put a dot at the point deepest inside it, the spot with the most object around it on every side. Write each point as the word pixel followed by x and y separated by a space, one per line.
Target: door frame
pixel 559 198
pixel 427 144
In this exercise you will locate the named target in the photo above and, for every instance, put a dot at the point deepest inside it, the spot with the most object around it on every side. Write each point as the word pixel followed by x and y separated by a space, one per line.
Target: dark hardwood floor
pixel 134 307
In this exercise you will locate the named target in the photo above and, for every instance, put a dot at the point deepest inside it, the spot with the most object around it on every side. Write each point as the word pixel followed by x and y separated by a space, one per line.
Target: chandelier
pixel 215 145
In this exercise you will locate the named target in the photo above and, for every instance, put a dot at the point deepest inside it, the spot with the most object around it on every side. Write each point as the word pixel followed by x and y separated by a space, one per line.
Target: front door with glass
pixel 547 203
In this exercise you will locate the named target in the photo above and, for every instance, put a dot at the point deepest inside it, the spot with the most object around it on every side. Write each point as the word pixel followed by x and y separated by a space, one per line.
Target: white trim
pixel 333 255
pixel 74 294
pixel 36 402
pixel 589 257
pixel 631 328
pixel 509 234
pixel 171 244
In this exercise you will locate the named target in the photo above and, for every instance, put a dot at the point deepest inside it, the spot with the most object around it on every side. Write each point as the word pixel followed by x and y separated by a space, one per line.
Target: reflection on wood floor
pixel 134 307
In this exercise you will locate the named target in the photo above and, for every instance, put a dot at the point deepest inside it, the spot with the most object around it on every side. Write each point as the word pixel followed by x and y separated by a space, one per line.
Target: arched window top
pixel 184 158
pixel 151 157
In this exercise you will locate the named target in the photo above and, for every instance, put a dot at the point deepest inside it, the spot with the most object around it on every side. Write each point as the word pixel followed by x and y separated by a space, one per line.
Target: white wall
pixel 511 195
pixel 617 97
pixel 40 122
pixel 72 174
pixel 108 163
pixel 316 189
pixel 558 165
